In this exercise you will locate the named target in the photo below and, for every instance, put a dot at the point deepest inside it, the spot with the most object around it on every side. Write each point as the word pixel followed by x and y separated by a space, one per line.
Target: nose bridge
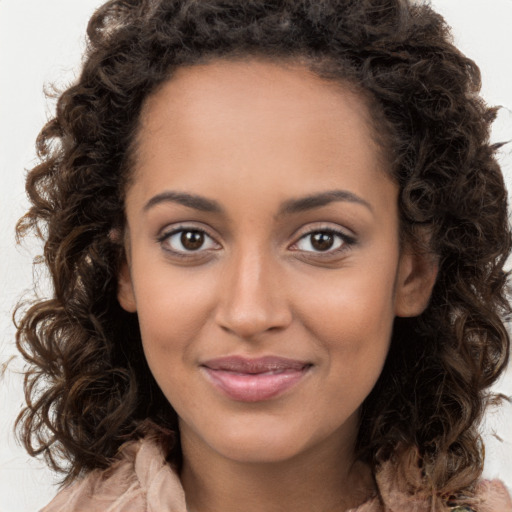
pixel 253 298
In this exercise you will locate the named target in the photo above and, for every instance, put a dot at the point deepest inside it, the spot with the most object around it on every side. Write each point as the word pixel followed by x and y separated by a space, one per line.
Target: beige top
pixel 142 481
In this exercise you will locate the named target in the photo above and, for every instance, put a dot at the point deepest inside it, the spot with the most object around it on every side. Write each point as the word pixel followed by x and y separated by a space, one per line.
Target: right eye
pixel 185 241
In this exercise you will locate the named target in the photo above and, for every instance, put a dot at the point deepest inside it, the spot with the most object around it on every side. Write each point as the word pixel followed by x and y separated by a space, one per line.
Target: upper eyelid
pixel 172 229
pixel 345 233
pixel 348 240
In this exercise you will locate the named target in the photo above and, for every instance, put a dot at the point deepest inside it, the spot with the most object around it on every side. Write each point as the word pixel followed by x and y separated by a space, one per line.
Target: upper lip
pixel 239 364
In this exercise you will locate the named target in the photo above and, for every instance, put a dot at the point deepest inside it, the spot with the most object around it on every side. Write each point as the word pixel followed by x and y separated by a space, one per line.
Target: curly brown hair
pixel 88 387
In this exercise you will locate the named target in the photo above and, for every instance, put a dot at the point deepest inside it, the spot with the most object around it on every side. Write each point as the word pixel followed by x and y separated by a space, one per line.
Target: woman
pixel 276 232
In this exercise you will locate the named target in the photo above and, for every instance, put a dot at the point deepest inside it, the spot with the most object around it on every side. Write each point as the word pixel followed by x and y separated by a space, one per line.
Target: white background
pixel 40 43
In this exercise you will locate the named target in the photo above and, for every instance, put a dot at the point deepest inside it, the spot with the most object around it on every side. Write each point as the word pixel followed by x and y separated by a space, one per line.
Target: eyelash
pixel 181 229
pixel 346 241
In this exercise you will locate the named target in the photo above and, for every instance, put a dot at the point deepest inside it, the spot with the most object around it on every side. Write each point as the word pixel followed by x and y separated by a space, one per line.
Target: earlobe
pixel 125 294
pixel 416 277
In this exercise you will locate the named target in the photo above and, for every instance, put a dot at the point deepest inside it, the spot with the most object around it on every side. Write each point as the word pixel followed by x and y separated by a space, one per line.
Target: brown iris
pixel 192 240
pixel 322 241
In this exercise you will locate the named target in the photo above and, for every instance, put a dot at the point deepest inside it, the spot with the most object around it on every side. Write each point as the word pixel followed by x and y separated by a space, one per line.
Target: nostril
pixel 250 322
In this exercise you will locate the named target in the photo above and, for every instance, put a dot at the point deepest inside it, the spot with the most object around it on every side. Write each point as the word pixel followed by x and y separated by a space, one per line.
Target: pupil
pixel 322 241
pixel 192 240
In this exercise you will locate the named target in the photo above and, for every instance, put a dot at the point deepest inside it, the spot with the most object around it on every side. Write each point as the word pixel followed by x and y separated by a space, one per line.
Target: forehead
pixel 202 97
pixel 262 77
pixel 258 122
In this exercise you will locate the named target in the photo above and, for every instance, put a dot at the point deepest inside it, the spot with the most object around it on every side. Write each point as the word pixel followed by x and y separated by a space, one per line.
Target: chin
pixel 252 439
pixel 263 450
pixel 258 440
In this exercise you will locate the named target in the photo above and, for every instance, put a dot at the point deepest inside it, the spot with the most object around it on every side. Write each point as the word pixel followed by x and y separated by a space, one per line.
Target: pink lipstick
pixel 254 380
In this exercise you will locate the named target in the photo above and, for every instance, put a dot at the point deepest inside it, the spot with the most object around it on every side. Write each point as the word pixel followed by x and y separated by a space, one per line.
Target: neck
pixel 324 479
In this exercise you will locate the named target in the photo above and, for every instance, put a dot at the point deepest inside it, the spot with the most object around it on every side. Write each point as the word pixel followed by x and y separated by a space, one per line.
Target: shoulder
pixel 493 497
pixel 396 494
pixel 140 480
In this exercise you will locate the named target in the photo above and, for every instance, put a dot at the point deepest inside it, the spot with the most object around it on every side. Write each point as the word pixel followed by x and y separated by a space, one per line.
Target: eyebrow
pixel 190 200
pixel 321 199
pixel 289 207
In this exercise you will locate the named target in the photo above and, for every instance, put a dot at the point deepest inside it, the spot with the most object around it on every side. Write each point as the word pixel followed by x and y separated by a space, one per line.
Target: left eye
pixel 321 241
pixel 187 240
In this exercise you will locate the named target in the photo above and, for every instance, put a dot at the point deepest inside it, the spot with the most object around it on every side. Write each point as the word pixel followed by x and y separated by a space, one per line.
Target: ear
pixel 416 276
pixel 125 294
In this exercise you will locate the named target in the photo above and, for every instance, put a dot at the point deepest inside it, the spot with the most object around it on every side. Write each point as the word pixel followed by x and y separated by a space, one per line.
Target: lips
pixel 254 380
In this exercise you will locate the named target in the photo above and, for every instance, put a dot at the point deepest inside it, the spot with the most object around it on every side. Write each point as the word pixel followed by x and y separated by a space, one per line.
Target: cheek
pixel 351 319
pixel 172 311
pixel 170 323
pixel 348 304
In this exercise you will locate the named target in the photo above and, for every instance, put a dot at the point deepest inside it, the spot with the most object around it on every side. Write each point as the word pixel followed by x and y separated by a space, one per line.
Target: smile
pixel 254 380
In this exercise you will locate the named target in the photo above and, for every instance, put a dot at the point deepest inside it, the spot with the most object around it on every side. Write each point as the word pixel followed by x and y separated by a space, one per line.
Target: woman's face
pixel 263 257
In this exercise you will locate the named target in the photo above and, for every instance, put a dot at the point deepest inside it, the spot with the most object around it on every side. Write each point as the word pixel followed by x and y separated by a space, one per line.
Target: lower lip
pixel 254 387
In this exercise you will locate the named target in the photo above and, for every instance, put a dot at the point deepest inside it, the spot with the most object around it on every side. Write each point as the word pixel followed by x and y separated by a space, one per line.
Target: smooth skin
pixel 224 257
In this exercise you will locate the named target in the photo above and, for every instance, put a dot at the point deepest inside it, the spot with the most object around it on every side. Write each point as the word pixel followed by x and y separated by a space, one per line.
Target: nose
pixel 253 299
